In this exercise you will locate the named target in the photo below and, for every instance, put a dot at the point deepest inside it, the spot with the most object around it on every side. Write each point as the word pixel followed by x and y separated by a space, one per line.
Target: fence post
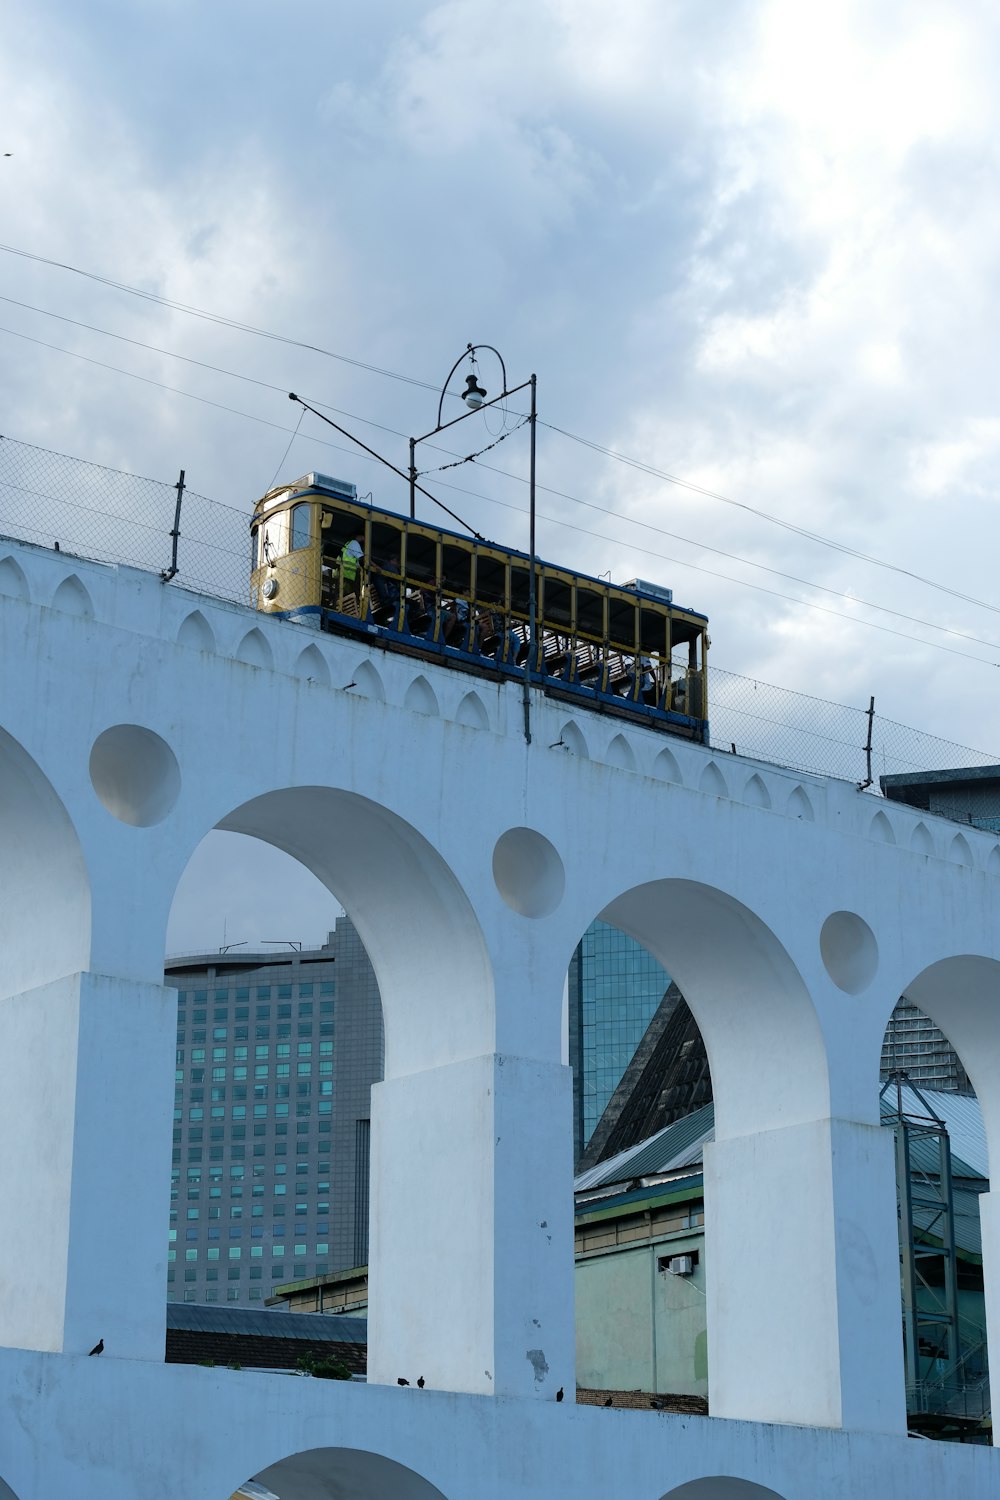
pixel 169 573
pixel 864 785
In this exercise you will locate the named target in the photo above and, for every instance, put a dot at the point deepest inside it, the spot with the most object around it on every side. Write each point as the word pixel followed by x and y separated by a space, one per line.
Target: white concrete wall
pixel 97 1429
pixel 135 718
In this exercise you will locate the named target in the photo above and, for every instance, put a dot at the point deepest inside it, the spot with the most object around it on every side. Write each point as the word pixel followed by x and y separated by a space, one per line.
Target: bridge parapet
pixel 791 908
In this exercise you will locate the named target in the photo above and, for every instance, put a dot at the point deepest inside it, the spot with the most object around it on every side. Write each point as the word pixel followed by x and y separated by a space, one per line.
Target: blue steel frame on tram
pixel 442 596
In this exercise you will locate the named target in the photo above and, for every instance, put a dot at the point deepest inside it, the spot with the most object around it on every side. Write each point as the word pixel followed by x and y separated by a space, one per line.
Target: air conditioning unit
pixel 680 1265
pixel 643 586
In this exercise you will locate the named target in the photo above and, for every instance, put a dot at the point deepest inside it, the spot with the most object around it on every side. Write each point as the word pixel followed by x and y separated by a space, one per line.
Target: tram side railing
pixel 111 516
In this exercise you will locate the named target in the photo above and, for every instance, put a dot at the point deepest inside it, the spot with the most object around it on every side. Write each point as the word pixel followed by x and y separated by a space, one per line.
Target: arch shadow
pixel 961 995
pixel 764 1042
pixel 324 1473
pixel 44 886
pixel 722 1487
pixel 415 920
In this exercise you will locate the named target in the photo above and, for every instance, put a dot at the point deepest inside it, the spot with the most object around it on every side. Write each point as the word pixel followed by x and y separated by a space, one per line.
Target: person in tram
pixel 352 568
pixel 459 630
pixel 386 584
pixel 641 668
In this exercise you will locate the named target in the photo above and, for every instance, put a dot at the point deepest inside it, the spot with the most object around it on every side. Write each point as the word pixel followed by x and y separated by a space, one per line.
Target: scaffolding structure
pixel 945 1377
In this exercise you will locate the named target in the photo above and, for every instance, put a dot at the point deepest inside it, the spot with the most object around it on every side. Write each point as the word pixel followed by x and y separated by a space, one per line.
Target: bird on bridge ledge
pixel 98 1347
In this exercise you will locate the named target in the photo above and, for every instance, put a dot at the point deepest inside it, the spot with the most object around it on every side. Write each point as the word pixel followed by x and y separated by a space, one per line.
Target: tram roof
pixel 310 484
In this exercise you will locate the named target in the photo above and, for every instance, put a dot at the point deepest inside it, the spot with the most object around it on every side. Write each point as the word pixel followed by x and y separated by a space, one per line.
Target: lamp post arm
pixel 470 350
pixel 344 433
pixel 463 416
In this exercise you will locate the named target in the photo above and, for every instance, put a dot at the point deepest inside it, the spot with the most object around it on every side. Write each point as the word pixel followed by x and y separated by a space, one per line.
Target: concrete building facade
pixel 276 1057
pixel 791 910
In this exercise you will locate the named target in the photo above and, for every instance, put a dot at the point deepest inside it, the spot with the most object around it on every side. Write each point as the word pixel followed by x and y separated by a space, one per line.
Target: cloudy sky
pixel 753 246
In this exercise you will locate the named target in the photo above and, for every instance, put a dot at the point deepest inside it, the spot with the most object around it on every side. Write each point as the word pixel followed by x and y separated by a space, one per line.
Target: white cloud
pixel 754 244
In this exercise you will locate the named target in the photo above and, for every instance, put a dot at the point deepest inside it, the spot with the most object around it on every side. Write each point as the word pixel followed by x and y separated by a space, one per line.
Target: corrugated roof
pixel 675 1146
pixel 334 1328
pixel 681 1144
pixel 968 1232
pixel 964 1119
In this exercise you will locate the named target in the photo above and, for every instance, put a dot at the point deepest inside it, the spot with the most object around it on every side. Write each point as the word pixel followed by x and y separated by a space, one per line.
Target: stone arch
pixel 620 754
pixel 745 994
pixel 44 887
pixel 321 1472
pixel 573 739
pixel 960 995
pixel 959 851
pixel 722 1487
pixel 421 698
pixel 368 682
pixel 920 840
pixel 196 632
pixel 799 805
pixel 755 793
pixel 993 863
pixel 310 666
pixel 6 1493
pixel 665 766
pixel 414 919
pixel 881 829
pixel 712 781
pixel 472 712
pixel 254 650
pixel 14 584
pixel 73 599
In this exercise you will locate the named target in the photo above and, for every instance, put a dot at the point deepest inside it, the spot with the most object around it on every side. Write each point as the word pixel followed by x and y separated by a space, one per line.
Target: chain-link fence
pixel 808 734
pixel 110 516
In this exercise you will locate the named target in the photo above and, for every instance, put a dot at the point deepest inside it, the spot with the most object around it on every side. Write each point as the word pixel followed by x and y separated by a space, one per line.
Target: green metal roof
pixel 682 1144
pixel 675 1146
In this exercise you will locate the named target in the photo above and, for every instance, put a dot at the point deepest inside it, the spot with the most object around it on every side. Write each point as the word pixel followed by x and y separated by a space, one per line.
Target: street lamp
pixel 474 397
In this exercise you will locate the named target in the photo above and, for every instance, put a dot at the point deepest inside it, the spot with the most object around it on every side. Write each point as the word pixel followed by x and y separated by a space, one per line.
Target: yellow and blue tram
pixel 323 557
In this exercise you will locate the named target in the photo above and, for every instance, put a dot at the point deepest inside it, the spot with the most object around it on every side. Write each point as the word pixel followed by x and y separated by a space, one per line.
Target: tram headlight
pixel 270 588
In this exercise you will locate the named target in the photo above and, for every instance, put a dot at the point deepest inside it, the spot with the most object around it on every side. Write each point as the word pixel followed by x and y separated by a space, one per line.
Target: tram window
pixel 491 578
pixel 272 534
pixel 456 571
pixel 590 613
pixel 421 557
pixel 621 621
pixel 339 528
pixel 653 631
pixel 301 516
pixel 519 590
pixel 558 600
pixel 386 543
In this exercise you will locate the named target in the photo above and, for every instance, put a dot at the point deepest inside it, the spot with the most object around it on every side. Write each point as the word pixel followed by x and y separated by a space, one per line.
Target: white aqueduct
pixel 792 910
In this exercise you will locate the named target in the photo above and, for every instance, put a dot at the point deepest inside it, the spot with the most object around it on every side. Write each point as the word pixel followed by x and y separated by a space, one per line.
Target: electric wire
pixel 813 536
pixel 553 520
pixel 220 319
pixel 490 468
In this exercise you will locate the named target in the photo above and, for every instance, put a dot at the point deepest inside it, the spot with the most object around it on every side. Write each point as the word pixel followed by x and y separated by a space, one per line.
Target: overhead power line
pixel 460 460
pixel 568 525
pixel 218 318
pixel 803 531
pixel 665 476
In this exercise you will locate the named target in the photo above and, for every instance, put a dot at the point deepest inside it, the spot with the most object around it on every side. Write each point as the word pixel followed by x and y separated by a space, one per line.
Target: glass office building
pixel 615 987
pixel 276 1056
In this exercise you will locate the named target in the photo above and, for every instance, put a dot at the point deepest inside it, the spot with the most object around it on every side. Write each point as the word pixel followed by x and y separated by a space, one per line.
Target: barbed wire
pixel 108 515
